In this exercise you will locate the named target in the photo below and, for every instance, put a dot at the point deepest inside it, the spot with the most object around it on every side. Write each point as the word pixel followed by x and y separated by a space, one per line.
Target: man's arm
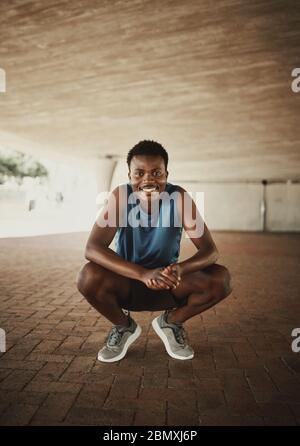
pixel 97 248
pixel 207 253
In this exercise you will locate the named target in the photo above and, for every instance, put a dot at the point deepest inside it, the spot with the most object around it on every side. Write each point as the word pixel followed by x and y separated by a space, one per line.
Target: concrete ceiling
pixel 210 80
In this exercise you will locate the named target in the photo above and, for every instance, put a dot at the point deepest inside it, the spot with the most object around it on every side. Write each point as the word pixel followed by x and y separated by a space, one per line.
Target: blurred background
pixel 44 197
pixel 210 81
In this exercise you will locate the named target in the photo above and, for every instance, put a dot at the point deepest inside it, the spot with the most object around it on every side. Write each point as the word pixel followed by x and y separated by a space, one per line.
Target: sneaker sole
pixel 164 338
pixel 129 341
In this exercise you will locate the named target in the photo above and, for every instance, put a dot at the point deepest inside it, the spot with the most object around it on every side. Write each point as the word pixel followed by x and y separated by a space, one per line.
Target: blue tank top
pixel 150 240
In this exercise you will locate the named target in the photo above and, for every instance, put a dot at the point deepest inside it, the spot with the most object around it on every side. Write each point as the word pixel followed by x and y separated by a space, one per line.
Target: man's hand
pixel 174 269
pixel 162 278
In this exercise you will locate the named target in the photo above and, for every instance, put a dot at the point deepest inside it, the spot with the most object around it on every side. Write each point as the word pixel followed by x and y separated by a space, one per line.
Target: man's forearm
pixel 198 261
pixel 106 257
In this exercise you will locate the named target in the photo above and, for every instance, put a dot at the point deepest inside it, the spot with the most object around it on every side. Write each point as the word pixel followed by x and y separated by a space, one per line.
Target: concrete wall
pixel 236 205
pixel 283 207
pixel 11 202
pixel 230 206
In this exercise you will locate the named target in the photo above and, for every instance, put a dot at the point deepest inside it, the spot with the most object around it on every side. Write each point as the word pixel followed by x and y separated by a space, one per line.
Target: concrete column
pixel 104 169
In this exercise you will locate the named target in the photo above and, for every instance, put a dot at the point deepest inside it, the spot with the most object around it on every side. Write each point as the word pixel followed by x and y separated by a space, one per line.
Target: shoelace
pixel 178 331
pixel 114 337
pixel 179 334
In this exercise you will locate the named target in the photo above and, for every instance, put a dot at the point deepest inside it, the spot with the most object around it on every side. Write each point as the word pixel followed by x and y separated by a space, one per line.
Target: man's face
pixel 147 175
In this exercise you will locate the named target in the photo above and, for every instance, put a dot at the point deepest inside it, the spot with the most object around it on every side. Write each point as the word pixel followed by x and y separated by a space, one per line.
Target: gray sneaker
pixel 173 337
pixel 118 340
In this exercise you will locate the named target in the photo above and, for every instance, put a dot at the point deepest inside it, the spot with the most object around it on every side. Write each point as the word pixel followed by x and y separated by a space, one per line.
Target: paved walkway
pixel 244 371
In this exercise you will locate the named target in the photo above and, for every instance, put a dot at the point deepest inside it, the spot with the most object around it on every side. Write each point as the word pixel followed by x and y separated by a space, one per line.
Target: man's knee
pixel 88 280
pixel 221 284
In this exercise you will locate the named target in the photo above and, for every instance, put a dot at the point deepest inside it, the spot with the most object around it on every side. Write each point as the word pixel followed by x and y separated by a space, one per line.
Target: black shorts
pixel 142 298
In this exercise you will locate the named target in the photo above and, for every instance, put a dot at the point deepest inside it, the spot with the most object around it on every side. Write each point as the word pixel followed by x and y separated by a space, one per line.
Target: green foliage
pixel 19 166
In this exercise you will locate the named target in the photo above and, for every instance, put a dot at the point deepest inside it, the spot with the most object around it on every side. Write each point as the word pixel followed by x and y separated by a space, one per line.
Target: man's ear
pixel 167 173
pixel 129 174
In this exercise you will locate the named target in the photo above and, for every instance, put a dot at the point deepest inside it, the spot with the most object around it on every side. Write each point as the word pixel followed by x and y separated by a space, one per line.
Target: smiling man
pixel 144 274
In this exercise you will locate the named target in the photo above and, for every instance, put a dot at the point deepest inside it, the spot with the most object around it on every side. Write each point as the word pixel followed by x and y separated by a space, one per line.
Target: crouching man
pixel 143 274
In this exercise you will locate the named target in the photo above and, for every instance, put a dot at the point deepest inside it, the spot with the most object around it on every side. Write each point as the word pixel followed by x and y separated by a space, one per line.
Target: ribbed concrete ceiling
pixel 210 80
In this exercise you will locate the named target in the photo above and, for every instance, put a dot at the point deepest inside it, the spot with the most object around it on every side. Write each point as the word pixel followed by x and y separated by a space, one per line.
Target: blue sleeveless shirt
pixel 150 240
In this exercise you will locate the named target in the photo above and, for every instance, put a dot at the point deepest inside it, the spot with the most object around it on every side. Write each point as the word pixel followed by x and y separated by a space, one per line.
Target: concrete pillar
pixel 104 169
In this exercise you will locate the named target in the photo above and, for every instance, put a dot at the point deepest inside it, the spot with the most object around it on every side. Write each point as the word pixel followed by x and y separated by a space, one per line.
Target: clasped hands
pixel 165 278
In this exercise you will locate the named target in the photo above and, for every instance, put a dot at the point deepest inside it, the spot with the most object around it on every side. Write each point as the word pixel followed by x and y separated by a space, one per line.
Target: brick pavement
pixel 243 373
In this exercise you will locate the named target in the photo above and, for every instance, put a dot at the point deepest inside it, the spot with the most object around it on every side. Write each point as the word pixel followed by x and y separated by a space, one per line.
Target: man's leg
pixel 105 291
pixel 204 289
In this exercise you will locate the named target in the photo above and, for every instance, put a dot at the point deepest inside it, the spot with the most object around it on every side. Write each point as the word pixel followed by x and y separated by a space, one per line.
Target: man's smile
pixel 149 188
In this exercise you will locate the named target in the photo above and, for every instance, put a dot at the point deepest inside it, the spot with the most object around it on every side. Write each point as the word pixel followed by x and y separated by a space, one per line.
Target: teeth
pixel 149 189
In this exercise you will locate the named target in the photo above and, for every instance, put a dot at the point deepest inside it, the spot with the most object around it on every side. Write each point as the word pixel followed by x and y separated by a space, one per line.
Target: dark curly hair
pixel 148 147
